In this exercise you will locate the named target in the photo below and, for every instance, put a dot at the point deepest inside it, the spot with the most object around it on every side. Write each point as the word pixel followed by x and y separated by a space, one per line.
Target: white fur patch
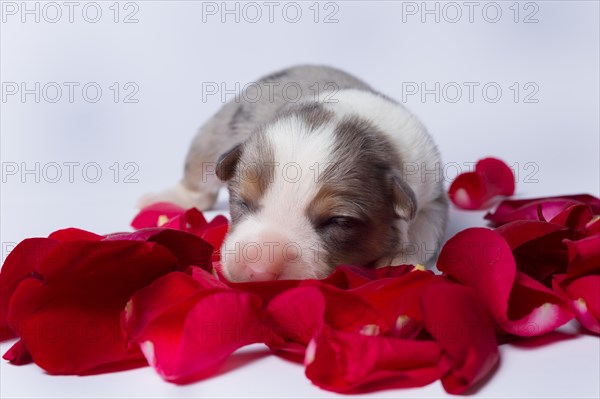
pixel 299 156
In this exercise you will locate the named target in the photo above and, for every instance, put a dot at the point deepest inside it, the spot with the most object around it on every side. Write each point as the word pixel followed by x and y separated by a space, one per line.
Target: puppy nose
pixel 257 275
pixel 264 263
pixel 265 260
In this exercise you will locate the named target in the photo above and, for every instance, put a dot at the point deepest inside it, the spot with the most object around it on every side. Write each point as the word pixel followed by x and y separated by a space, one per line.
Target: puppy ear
pixel 405 201
pixel 227 162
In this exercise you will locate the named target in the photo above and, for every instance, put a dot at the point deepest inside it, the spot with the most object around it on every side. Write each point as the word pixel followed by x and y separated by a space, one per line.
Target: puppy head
pixel 309 192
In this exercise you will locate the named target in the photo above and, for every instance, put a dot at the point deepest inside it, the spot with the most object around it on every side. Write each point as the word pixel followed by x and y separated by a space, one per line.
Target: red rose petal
pixel 346 311
pixel 159 312
pixel 172 291
pixel 191 335
pixel 267 290
pixel 188 248
pixel 347 362
pixel 349 276
pixel 73 234
pixel 63 338
pixel 205 279
pixel 18 354
pixel 537 247
pixel 393 271
pixel 575 217
pixel 398 300
pixel 584 256
pixel 460 324
pixel 221 333
pixel 475 190
pixel 214 233
pixel 520 232
pixel 532 208
pixel 69 315
pixel 295 316
pixel 299 313
pixel 154 214
pixel 481 259
pixel 21 263
pixel 593 226
pixel 583 295
pixel 191 221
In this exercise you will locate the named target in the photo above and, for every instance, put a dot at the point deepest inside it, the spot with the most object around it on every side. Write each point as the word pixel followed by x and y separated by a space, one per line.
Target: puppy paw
pixel 180 195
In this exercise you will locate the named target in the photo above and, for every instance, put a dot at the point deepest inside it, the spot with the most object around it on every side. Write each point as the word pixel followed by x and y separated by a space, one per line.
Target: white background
pixel 175 49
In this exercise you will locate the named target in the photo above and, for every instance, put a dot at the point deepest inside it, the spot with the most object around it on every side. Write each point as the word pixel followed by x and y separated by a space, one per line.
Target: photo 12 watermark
pixel 70 92
pixel 70 12
pixel 69 172
pixel 253 12
pixel 470 92
pixel 452 12
pixel 269 91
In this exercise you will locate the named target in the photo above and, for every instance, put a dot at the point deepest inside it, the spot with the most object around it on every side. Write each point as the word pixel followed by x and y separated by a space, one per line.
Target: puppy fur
pixel 347 176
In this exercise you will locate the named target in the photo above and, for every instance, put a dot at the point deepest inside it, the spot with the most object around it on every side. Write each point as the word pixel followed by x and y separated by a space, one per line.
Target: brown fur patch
pixel 359 187
pixel 253 174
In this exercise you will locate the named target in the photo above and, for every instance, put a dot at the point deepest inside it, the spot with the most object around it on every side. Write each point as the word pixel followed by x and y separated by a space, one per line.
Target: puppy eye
pixel 344 222
pixel 245 206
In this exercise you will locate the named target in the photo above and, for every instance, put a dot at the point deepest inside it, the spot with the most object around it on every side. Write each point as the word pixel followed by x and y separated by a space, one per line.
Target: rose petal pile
pixel 82 303
pixel 63 295
pixel 354 330
pixel 556 241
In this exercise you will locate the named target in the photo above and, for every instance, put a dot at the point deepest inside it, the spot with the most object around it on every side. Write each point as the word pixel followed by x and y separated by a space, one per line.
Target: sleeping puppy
pixel 322 170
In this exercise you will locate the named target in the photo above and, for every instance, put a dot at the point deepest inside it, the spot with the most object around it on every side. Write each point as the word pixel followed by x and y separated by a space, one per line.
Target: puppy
pixel 322 170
